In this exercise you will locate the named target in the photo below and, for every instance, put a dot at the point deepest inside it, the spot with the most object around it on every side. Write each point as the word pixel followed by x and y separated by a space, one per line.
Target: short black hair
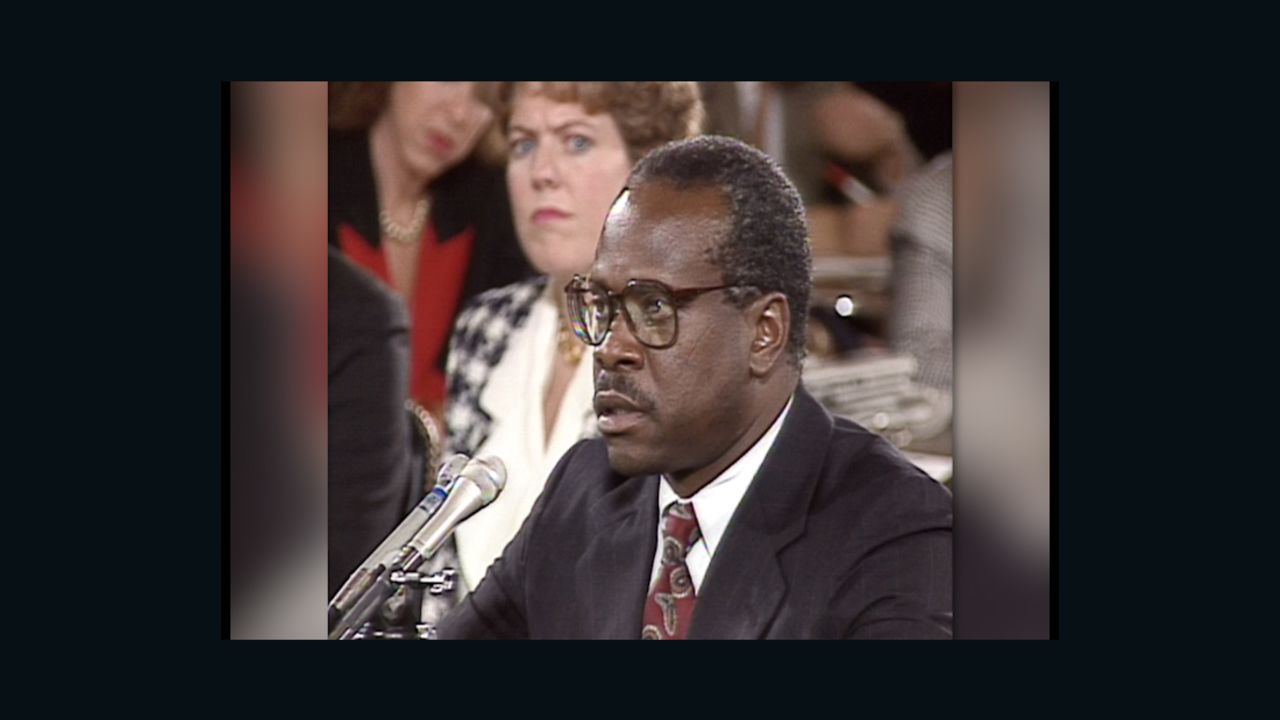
pixel 768 245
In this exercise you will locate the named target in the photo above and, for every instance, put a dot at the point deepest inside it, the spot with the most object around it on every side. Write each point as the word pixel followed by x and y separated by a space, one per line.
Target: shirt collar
pixel 716 502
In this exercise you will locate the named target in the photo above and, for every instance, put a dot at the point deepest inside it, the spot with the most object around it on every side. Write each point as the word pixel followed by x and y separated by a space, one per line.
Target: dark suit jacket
pixel 838 536
pixel 370 482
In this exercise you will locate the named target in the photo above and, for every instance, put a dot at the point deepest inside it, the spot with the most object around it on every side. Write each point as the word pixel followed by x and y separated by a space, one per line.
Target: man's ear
pixel 771 325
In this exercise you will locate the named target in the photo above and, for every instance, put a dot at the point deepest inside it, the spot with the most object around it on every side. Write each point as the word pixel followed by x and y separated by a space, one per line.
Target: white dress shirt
pixel 715 503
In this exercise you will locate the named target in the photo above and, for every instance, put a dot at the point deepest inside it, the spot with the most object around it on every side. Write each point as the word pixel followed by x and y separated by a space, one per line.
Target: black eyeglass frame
pixel 679 297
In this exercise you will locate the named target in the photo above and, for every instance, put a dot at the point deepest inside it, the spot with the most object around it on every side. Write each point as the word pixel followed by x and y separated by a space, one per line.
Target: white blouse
pixel 513 397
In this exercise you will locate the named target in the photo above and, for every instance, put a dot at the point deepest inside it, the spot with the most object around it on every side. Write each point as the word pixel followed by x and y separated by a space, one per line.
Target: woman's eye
pixel 579 143
pixel 520 147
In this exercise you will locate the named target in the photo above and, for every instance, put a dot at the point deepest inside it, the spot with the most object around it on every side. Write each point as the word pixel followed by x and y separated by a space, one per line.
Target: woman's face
pixel 564 170
pixel 436 124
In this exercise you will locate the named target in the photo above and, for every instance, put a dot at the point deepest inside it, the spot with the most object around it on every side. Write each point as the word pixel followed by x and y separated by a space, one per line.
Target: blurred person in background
pixel 922 252
pixel 803 125
pixel 520 382
pixel 815 129
pixel 410 201
pixel 1003 281
pixel 275 324
pixel 371 485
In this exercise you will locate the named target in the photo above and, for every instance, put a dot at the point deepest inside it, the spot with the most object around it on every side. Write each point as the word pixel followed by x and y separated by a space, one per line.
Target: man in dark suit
pixel 370 458
pixel 722 501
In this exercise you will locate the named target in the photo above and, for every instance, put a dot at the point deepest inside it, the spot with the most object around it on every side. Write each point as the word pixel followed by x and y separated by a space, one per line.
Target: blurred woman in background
pixel 519 381
pixel 410 201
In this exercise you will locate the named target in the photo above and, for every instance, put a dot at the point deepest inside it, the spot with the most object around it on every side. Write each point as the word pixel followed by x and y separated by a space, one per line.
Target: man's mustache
pixel 623 385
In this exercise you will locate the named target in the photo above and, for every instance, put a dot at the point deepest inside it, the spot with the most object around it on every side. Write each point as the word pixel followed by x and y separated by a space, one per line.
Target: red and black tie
pixel 668 612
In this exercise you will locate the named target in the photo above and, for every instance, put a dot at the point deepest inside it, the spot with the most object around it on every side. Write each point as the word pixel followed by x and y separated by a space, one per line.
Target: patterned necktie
pixel 668 611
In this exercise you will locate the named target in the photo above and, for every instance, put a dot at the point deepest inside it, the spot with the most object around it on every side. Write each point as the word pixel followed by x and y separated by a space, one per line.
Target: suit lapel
pixel 613 572
pixel 743 587
pixel 745 584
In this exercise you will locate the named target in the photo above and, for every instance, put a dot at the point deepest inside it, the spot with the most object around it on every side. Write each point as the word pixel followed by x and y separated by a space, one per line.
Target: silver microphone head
pixel 474 488
pixel 450 468
pixel 489 474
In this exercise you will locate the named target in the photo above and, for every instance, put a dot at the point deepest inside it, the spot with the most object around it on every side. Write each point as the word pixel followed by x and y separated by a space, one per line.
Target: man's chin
pixel 627 460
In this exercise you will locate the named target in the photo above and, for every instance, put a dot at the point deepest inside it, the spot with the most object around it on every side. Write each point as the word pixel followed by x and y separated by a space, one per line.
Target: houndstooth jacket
pixel 480 339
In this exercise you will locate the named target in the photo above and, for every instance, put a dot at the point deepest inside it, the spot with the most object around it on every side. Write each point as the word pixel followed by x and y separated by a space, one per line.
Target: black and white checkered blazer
pixel 481 335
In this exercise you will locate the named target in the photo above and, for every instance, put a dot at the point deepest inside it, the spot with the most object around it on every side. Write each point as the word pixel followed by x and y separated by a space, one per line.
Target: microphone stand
pixel 389 606
pixel 385 602
pixel 400 617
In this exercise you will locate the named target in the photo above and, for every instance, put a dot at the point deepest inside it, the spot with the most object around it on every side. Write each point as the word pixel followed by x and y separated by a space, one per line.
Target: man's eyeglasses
pixel 648 306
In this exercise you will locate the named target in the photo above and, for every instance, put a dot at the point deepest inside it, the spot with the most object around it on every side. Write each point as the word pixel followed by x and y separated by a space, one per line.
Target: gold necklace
pixel 570 346
pixel 394 231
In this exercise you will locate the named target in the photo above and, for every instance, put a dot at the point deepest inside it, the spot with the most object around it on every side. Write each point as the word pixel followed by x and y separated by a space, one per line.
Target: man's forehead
pixel 662 232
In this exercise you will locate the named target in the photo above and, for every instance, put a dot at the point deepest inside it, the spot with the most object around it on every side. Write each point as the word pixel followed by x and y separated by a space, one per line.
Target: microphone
pixel 475 487
pixel 390 549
